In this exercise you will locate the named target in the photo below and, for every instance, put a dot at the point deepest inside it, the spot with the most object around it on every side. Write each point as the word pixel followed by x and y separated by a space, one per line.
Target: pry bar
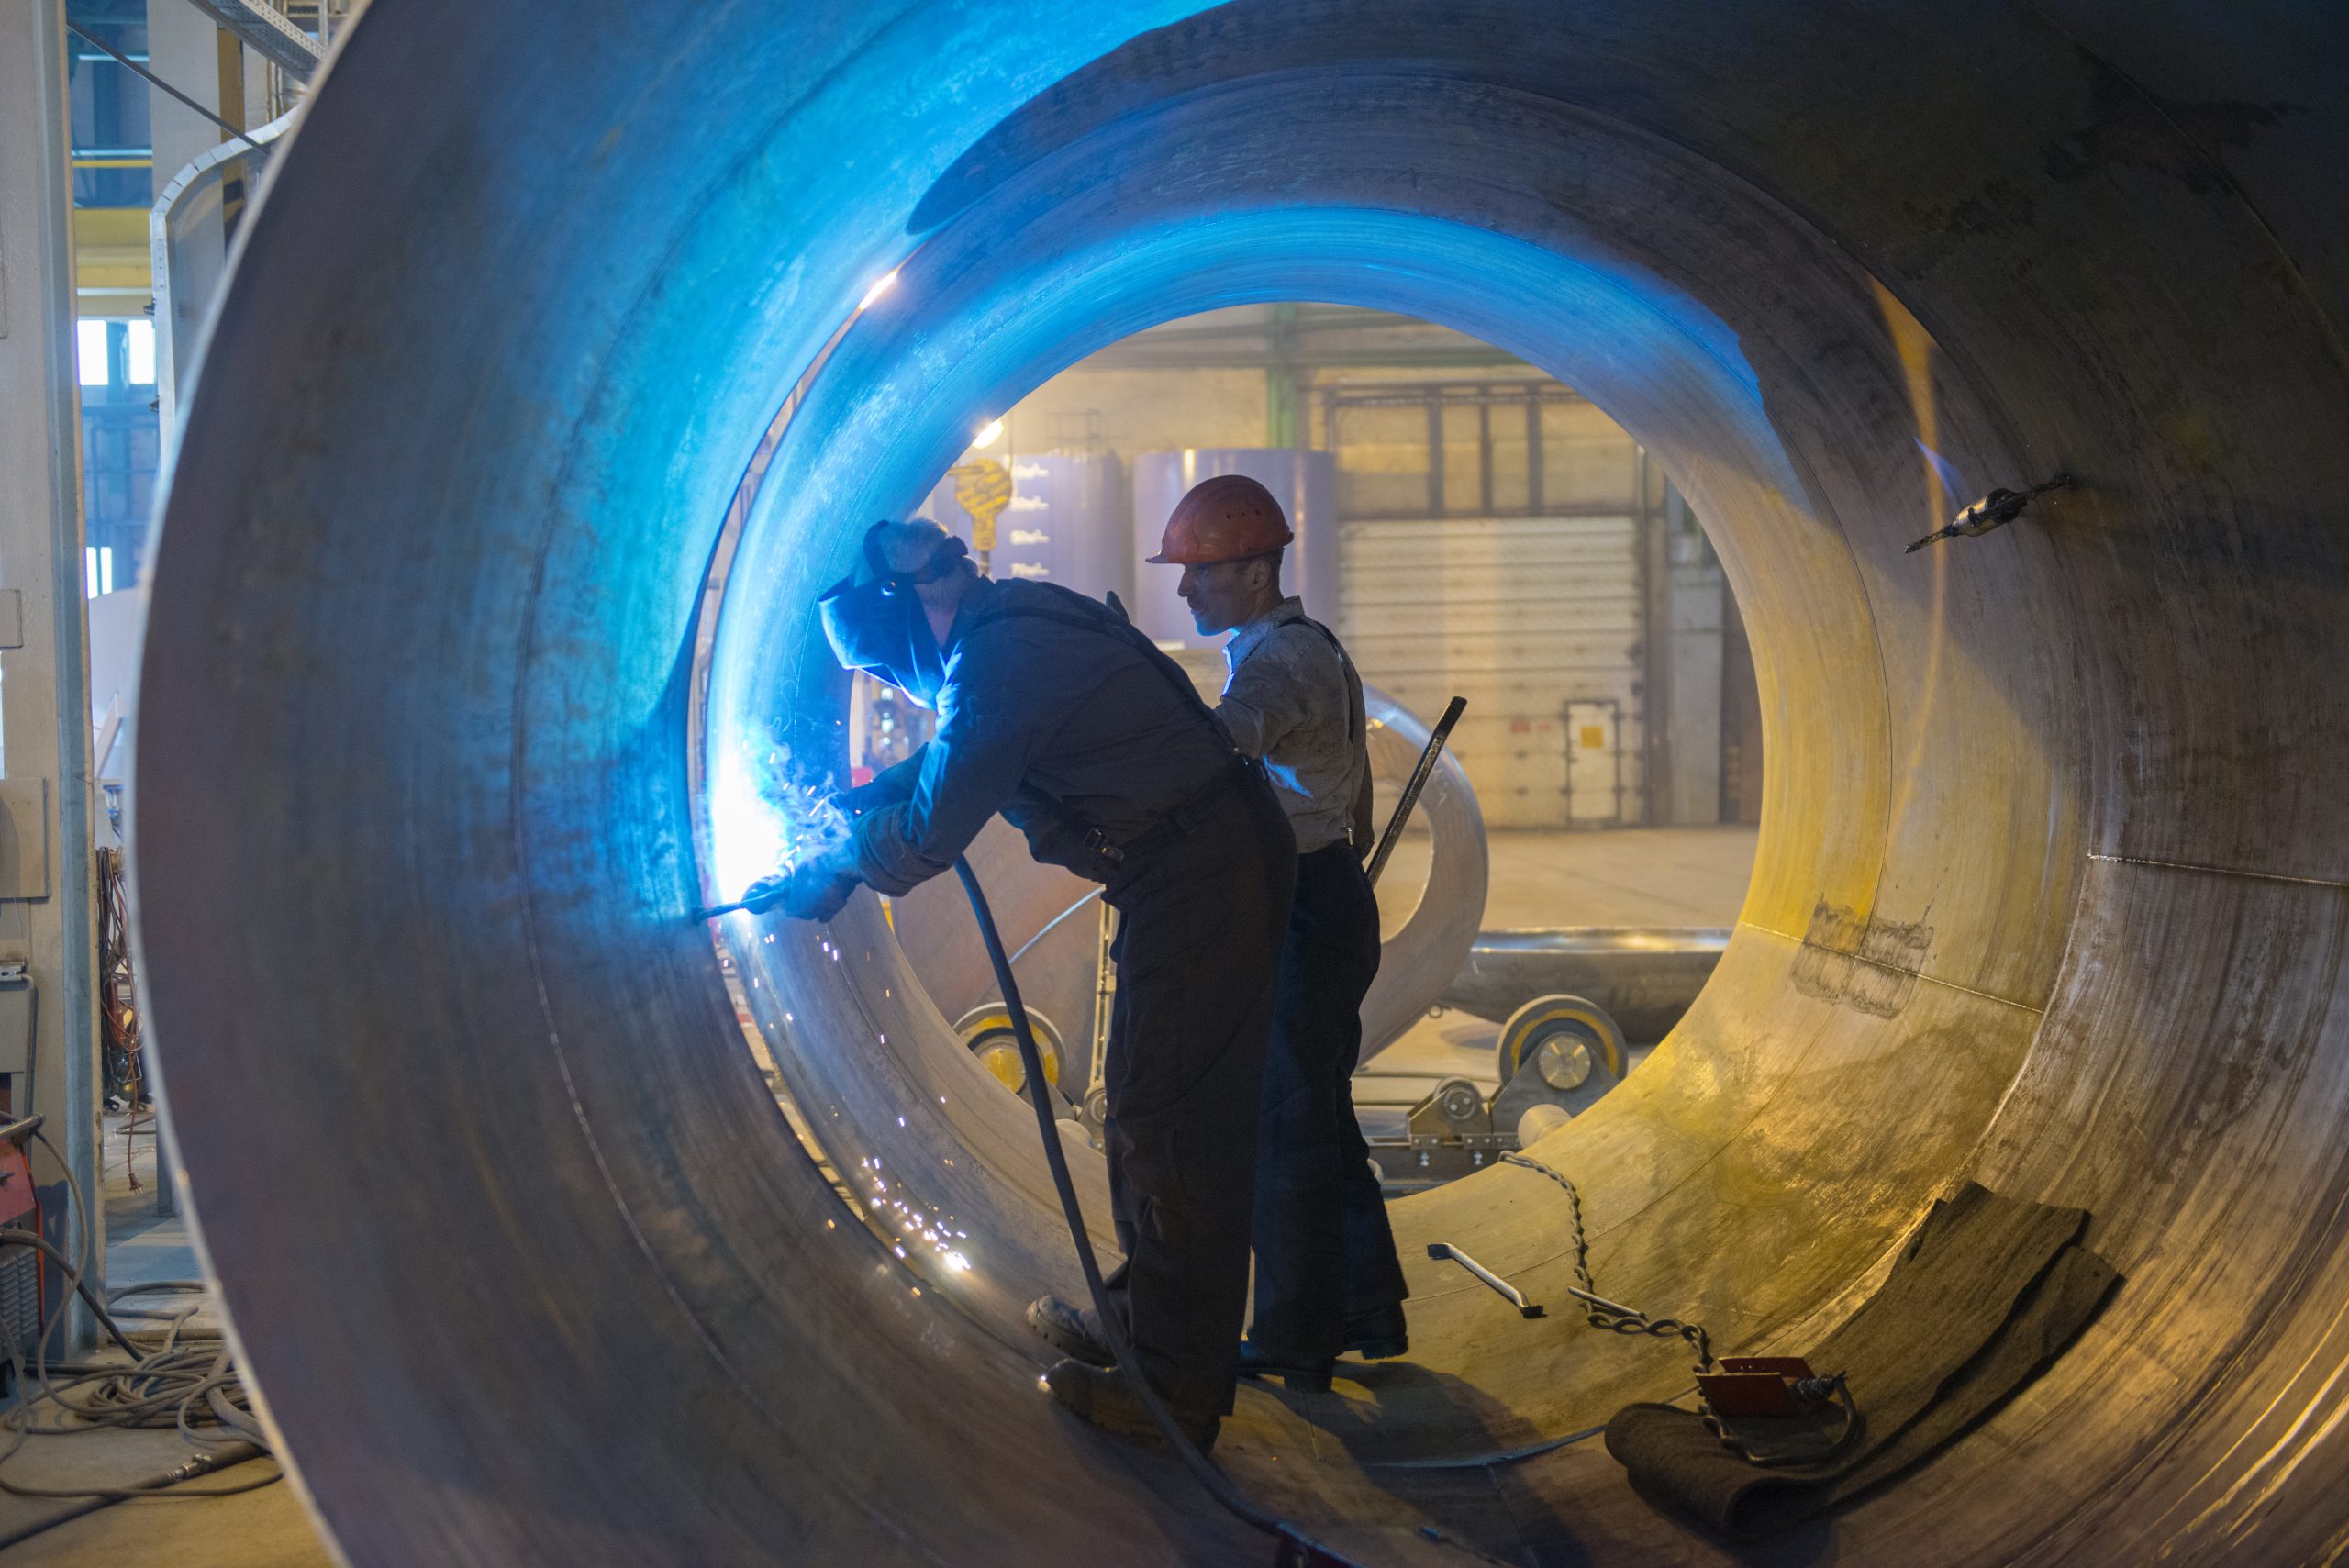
pixel 1441 1250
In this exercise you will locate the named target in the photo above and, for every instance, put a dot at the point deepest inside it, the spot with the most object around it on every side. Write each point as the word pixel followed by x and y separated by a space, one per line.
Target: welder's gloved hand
pixel 855 803
pixel 764 893
pixel 816 891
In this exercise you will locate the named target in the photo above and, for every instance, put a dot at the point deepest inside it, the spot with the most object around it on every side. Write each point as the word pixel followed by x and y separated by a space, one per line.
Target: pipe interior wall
pixel 2050 889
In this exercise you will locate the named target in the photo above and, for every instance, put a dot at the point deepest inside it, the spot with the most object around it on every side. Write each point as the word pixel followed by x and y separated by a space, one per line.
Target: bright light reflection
pixel 765 819
pixel 880 285
pixel 989 434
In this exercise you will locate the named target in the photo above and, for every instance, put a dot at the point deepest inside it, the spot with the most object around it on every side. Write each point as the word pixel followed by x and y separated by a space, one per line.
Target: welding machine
pixel 20 1267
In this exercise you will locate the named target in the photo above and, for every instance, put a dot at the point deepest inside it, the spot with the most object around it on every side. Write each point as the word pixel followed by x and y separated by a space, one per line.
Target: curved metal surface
pixel 2049 890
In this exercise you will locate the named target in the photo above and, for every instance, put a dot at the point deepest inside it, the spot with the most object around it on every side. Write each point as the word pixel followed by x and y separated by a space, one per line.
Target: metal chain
pixel 1833 1389
pixel 1629 1321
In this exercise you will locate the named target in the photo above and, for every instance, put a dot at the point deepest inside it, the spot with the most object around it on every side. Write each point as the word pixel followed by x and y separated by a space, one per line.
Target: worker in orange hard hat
pixel 1327 1277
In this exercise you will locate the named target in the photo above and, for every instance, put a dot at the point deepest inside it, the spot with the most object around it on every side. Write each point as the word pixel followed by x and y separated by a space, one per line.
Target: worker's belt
pixel 1185 815
pixel 1058 836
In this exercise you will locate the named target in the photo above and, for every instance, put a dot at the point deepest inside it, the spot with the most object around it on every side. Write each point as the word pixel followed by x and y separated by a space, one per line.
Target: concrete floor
pixel 264 1529
pixel 1633 876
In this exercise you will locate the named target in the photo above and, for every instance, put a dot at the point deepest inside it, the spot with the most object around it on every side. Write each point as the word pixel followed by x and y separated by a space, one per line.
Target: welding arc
pixel 1218 1485
pixel 1418 781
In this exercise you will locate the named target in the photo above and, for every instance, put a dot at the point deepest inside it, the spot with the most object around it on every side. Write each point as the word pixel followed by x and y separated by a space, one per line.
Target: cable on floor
pixel 169 1377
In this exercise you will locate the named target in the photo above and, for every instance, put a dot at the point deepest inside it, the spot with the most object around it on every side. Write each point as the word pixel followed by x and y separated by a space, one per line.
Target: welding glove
pixel 816 891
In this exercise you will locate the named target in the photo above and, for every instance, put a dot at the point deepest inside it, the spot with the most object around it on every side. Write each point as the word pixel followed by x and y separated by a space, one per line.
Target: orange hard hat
pixel 1228 517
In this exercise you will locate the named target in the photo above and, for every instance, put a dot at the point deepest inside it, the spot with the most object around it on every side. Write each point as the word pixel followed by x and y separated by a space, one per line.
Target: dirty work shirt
pixel 1036 711
pixel 1293 699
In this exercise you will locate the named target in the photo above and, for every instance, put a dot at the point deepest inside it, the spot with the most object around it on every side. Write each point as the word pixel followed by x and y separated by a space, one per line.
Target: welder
pixel 1327 1277
pixel 1054 711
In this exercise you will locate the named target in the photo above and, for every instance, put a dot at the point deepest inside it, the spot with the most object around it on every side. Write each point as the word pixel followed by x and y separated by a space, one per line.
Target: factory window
pixel 139 355
pixel 119 445
pixel 115 353
pixel 112 151
pixel 94 351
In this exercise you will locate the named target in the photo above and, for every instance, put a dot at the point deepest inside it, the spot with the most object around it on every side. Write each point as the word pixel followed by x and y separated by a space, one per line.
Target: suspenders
pixel 1103 856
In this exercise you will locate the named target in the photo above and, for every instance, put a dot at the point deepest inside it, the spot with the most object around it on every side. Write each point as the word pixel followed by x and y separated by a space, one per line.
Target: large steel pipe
pixel 2050 892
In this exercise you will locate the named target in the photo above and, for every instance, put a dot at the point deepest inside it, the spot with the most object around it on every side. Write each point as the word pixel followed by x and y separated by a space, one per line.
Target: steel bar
pixel 1445 1250
pixel 1411 796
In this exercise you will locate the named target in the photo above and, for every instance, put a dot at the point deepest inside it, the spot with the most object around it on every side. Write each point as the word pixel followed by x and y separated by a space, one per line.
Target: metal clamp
pixel 1443 1249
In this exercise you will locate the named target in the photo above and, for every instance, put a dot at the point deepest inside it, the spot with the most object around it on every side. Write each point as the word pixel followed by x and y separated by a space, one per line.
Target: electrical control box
pixel 20 1271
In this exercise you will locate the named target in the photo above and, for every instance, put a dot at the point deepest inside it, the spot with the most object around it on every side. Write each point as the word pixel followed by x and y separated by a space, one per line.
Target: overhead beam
pixel 267 30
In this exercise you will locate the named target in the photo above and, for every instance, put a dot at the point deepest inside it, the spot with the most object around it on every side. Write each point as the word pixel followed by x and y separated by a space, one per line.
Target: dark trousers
pixel 1197 952
pixel 1324 1251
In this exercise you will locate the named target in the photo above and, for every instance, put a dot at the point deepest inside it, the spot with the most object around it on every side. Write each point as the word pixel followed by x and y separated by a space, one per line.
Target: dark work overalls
pixel 1201 915
pixel 1202 899
pixel 1201 875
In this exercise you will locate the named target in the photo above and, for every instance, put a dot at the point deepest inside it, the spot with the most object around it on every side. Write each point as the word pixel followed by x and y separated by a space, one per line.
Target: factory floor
pixel 1631 876
pixel 264 1529
pixel 1673 876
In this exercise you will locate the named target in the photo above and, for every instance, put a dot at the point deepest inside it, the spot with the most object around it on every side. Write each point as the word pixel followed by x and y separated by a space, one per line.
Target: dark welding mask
pixel 874 621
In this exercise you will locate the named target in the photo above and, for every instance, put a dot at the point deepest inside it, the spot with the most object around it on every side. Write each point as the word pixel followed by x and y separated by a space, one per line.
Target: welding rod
pixel 1419 776
pixel 714 910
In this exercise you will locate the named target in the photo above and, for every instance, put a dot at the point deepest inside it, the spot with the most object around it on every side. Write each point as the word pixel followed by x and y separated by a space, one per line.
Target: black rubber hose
pixel 89 1296
pixel 1218 1484
pixel 201 1464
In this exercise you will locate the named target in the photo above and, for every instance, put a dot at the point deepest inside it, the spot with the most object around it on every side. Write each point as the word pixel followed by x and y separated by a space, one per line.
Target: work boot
pixel 1379 1334
pixel 1074 1332
pixel 1313 1377
pixel 1102 1397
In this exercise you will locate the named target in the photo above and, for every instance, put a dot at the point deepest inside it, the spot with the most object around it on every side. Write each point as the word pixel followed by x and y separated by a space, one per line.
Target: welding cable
pixel 14 1238
pixel 77 1205
pixel 153 1486
pixel 1218 1485
pixel 178 1384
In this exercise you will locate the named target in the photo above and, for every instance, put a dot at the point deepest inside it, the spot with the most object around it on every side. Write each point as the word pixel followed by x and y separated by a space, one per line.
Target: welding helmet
pixel 874 620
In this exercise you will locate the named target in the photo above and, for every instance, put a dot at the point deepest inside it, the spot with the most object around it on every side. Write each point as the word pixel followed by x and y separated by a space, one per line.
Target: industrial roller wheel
pixel 1565 1037
pixel 986 1029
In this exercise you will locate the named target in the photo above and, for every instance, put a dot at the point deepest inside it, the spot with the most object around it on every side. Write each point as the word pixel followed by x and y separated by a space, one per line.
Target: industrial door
pixel 1537 622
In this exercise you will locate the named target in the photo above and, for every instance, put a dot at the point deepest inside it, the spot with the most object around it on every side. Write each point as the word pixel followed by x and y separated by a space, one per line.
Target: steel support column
pixel 46 910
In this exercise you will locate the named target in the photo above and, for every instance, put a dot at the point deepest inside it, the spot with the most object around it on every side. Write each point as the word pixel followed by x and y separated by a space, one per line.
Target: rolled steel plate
pixel 1645 978
pixel 528 1260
